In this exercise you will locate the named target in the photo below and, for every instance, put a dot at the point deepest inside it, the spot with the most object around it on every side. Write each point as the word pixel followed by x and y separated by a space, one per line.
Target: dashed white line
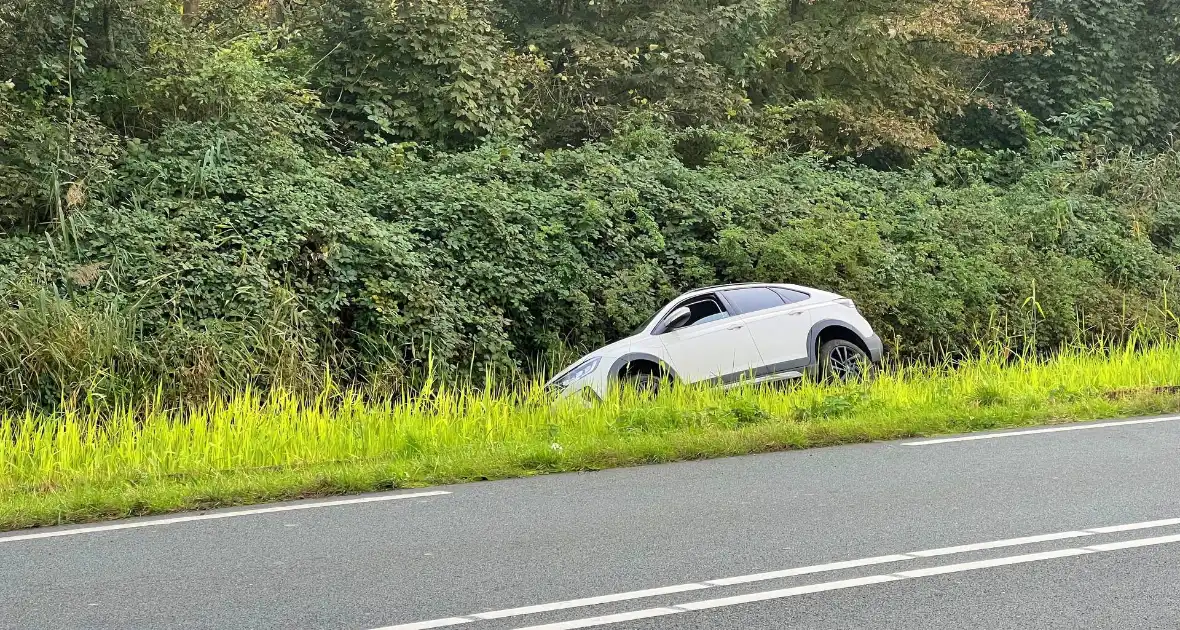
pixel 1072 427
pixel 806 570
pixel 215 515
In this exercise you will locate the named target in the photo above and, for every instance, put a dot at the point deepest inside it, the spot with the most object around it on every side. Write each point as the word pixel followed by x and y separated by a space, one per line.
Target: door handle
pixel 795 313
pixel 736 327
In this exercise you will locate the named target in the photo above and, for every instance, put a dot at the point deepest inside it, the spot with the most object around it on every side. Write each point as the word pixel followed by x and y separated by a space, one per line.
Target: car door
pixel 711 344
pixel 779 322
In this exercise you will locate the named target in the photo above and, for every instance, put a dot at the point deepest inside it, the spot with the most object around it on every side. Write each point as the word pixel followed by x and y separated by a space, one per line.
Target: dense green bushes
pixel 225 259
pixel 235 195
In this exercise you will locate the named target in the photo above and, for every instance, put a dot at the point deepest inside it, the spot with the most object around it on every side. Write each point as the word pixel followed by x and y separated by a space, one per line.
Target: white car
pixel 730 334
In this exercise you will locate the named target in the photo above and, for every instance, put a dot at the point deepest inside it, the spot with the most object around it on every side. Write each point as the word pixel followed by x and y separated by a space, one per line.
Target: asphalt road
pixel 548 540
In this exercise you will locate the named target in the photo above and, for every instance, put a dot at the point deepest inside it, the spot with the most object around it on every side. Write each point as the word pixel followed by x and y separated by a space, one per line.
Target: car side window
pixel 790 296
pixel 753 299
pixel 704 310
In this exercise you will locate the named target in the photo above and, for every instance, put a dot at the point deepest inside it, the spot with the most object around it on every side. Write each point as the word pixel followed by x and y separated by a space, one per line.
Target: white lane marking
pixel 1082 427
pixel 426 625
pixel 1011 542
pixel 1131 544
pixel 587 601
pixel 1133 526
pixel 819 568
pixel 215 516
pixel 784 592
pixel 864 581
pixel 606 619
pixel 772 575
pixel 994 562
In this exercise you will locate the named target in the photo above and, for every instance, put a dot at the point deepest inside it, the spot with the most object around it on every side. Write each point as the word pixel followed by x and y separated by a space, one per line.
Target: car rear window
pixel 753 299
pixel 790 297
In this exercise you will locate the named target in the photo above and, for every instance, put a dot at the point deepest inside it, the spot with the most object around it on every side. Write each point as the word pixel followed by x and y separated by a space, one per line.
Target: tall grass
pixel 97 350
pixel 72 346
pixel 78 465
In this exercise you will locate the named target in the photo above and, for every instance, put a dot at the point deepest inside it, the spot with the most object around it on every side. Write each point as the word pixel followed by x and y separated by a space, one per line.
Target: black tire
pixel 842 361
pixel 644 382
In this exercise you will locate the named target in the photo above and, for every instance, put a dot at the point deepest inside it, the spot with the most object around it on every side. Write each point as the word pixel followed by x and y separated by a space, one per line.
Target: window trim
pixel 776 289
pixel 726 308
pixel 764 287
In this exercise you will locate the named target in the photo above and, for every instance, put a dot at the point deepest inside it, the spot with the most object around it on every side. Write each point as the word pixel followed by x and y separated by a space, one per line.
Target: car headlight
pixel 581 370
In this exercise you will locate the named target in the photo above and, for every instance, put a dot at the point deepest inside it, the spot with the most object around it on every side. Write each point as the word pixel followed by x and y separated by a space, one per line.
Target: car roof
pixel 741 285
pixel 746 285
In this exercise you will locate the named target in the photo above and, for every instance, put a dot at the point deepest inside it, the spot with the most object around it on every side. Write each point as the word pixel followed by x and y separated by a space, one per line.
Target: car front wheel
pixel 644 382
pixel 842 361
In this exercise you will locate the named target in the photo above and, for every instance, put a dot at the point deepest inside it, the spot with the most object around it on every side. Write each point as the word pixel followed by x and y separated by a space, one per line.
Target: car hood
pixel 617 348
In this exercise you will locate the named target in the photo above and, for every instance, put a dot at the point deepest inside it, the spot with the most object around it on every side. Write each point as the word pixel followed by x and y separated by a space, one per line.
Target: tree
pixel 845 74
pixel 678 61
pixel 416 70
pixel 862 74
pixel 1112 51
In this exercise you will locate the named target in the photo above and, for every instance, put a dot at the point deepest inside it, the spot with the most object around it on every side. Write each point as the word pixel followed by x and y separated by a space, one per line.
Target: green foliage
pixel 1108 75
pixel 265 447
pixel 228 195
pixel 422 70
pixel 370 265
pixel 678 62
pixel 47 163
pixel 859 75
pixel 844 75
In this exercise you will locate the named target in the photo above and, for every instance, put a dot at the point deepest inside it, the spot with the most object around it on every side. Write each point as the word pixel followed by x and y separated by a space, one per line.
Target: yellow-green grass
pixel 74 466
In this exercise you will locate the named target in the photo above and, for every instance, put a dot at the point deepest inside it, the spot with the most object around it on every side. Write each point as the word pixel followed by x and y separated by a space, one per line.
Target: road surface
pixel 1041 529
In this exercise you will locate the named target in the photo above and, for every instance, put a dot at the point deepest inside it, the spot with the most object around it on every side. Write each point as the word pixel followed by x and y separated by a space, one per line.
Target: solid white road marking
pixel 588 601
pixel 1131 544
pixel 607 619
pixel 784 592
pixel 1011 542
pixel 434 623
pixel 842 584
pixel 774 575
pixel 994 562
pixel 819 568
pixel 1081 427
pixel 1133 526
pixel 215 516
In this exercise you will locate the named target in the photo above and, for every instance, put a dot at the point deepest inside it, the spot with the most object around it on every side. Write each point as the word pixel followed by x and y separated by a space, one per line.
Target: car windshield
pixel 701 314
pixel 644 325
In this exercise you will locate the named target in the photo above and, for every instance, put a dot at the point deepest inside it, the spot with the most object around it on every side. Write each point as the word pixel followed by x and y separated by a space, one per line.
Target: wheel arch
pixel 828 330
pixel 632 362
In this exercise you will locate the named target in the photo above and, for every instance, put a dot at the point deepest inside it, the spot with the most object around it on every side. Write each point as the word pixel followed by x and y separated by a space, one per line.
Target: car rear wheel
pixel 843 361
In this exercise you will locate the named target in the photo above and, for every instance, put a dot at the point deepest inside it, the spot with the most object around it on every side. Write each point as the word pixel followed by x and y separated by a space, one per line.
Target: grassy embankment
pixel 74 467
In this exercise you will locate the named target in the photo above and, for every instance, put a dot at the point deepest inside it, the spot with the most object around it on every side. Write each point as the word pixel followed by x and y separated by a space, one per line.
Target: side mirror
pixel 675 318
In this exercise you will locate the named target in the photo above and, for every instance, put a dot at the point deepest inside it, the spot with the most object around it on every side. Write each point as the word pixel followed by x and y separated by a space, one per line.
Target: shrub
pixel 247 259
